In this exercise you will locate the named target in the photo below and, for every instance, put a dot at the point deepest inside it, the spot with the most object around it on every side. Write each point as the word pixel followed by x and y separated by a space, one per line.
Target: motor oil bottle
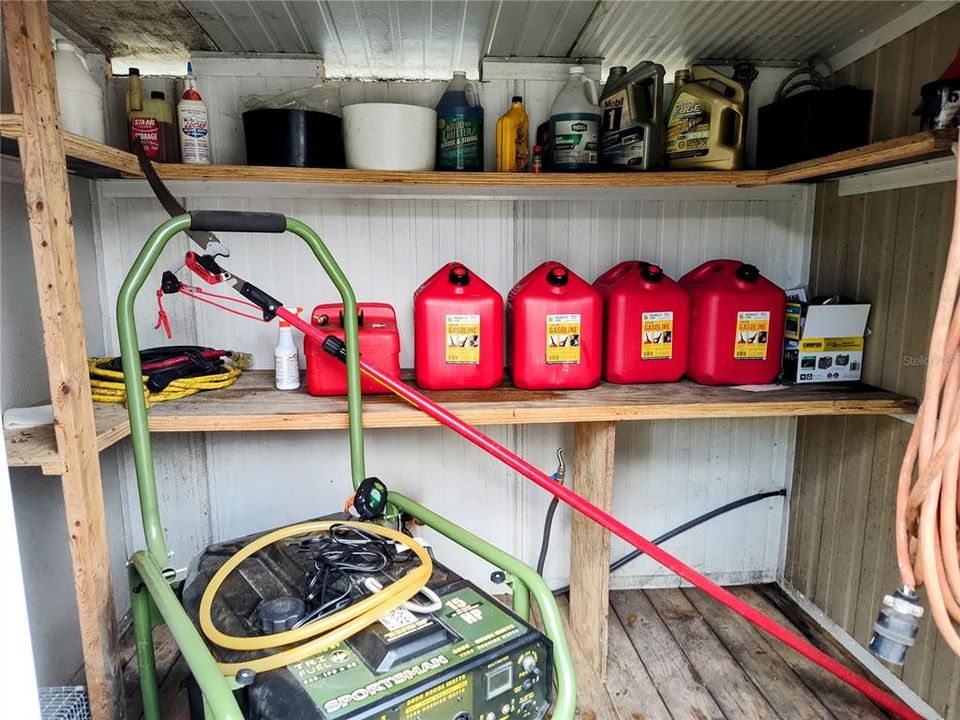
pixel 630 108
pixel 150 121
pixel 513 139
pixel 555 321
pixel 646 324
pixel 575 124
pixel 458 331
pixel 378 340
pixel 193 126
pixel 460 126
pixel 705 124
pixel 736 330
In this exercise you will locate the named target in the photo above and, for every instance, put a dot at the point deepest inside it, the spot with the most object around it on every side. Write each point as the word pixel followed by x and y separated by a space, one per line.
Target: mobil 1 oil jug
pixel 736 328
pixel 646 320
pixel 458 331
pixel 555 323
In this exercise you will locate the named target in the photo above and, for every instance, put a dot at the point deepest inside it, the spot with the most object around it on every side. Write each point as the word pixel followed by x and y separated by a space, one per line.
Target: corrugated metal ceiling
pixel 430 38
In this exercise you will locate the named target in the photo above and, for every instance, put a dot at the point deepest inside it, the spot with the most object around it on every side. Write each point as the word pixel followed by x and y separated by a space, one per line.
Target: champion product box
pixel 824 343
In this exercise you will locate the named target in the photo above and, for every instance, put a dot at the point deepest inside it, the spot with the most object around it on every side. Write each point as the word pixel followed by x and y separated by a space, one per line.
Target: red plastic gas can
pixel 736 330
pixel 379 345
pixel 556 329
pixel 646 319
pixel 458 331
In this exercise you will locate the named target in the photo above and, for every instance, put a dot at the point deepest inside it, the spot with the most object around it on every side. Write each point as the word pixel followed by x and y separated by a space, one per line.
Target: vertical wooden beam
pixel 33 82
pixel 590 543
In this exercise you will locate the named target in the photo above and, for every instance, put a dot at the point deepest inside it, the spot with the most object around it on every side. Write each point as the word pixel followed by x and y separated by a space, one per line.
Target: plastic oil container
pixel 646 324
pixel 555 323
pixel 379 343
pixel 736 330
pixel 151 122
pixel 81 98
pixel 513 139
pixel 575 125
pixel 458 331
pixel 630 110
pixel 460 126
pixel 705 124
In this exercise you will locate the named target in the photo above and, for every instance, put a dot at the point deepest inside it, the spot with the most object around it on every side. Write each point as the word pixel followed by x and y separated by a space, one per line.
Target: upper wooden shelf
pixel 92 159
pixel 254 404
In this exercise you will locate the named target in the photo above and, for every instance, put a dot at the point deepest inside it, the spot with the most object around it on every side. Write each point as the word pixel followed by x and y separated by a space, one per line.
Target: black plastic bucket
pixel 293 138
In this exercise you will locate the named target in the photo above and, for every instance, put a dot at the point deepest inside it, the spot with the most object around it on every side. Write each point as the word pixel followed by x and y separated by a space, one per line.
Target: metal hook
pixel 561 467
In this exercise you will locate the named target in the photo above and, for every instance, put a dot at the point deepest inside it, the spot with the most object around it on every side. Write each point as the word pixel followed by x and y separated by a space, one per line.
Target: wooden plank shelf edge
pixel 93 159
pixel 254 404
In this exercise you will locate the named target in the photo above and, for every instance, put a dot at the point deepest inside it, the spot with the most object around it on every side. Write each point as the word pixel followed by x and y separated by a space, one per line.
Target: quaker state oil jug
pixel 705 125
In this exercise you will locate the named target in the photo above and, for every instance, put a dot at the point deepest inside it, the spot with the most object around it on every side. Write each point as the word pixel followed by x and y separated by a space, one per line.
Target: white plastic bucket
pixel 389 136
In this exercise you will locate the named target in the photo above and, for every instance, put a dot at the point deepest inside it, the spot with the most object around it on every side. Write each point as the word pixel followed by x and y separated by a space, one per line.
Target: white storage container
pixel 81 97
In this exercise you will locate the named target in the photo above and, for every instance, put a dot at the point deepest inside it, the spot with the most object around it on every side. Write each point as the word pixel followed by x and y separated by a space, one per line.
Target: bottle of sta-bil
pixel 192 124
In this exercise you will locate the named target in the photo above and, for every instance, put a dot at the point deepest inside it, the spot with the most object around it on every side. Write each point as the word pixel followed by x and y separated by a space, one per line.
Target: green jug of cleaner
pixel 631 106
pixel 575 124
pixel 705 125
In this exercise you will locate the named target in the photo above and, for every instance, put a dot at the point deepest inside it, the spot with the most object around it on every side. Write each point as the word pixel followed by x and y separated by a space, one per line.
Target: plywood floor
pixel 674 654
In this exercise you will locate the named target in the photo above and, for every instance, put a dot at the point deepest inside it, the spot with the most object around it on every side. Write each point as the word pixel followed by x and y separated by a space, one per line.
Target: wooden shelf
pixel 92 159
pixel 254 404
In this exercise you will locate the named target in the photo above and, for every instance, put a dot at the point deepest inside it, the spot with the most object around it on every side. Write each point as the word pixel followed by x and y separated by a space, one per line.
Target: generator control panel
pixel 472 659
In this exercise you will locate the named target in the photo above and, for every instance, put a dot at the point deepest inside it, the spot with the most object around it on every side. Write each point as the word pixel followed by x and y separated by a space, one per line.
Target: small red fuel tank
pixel 555 327
pixel 646 324
pixel 736 330
pixel 379 345
pixel 458 331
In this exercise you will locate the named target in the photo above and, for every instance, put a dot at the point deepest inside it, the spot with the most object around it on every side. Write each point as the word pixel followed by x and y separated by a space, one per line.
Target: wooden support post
pixel 590 543
pixel 33 82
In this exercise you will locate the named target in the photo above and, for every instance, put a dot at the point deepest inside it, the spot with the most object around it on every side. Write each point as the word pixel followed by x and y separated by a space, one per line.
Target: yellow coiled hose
pixel 332 629
pixel 107 385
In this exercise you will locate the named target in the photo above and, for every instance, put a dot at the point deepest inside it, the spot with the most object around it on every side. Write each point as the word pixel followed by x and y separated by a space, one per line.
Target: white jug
pixel 81 98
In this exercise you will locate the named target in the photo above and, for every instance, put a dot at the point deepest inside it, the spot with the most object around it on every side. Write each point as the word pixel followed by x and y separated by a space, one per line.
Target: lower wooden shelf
pixel 254 404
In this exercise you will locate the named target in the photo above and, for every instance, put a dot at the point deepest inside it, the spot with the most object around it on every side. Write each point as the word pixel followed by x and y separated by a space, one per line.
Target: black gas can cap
pixel 558 275
pixel 459 275
pixel 652 273
pixel 748 273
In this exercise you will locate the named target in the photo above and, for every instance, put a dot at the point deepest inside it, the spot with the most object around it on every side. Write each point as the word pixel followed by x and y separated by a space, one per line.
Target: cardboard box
pixel 824 343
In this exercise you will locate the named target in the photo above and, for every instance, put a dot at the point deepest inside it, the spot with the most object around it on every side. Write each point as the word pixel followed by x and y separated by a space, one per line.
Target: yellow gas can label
pixel 462 339
pixel 657 340
pixel 753 331
pixel 563 339
pixel 688 128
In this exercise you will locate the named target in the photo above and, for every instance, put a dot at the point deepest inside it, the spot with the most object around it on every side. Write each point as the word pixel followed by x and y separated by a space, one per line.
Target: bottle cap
pixel 748 273
pixel 134 71
pixel 63 44
pixel 652 273
pixel 459 275
pixel 459 73
pixel 517 98
pixel 157 95
pixel 577 70
pixel 189 68
pixel 285 324
pixel 558 275
pixel 617 71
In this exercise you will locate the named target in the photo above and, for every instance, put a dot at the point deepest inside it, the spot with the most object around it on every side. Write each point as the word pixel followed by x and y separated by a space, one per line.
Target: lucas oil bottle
pixel 630 109
pixel 705 125
pixel 575 124
pixel 460 126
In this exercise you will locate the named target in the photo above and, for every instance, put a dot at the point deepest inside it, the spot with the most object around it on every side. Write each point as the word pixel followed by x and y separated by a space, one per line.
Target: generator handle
pixel 223 220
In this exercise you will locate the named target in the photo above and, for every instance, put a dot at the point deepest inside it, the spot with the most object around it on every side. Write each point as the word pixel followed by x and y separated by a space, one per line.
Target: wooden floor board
pixel 723 676
pixel 672 655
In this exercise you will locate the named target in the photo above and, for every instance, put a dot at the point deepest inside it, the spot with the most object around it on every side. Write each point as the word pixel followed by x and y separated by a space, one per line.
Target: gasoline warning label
pixel 657 340
pixel 563 339
pixel 753 330
pixel 463 339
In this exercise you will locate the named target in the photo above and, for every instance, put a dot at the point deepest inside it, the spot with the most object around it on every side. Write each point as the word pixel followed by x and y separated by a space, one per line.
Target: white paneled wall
pixel 221 485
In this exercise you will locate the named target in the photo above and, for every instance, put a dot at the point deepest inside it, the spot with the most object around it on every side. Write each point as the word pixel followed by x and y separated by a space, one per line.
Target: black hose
pixel 630 557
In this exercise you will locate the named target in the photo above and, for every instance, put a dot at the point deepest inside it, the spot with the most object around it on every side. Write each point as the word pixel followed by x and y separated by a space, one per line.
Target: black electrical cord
pixel 337 556
pixel 630 557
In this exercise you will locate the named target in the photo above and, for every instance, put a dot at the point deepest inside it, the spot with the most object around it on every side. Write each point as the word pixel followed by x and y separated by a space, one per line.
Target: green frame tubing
pixel 150 574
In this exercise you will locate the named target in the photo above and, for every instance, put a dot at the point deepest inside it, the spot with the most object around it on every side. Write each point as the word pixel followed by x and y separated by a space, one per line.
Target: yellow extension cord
pixel 107 385
pixel 337 627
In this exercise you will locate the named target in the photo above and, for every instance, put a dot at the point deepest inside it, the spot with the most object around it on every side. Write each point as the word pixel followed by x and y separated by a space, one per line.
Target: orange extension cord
pixel 927 509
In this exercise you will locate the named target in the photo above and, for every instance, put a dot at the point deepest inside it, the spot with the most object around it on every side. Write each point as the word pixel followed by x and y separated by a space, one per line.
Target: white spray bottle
pixel 286 358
